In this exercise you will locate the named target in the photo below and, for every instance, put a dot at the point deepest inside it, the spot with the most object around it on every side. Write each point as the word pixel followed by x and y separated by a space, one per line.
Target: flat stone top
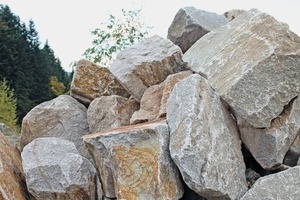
pixel 152 49
pixel 141 126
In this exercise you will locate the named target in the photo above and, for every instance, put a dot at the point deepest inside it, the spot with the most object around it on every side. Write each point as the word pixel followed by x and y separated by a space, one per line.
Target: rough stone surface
pixel 135 162
pixel 234 13
pixel 55 170
pixel 11 135
pixel 147 63
pixel 293 154
pixel 109 112
pixel 170 82
pixel 282 185
pixel 12 180
pixel 190 24
pixel 62 117
pixel 269 145
pixel 204 141
pixel 253 62
pixel 91 81
pixel 150 105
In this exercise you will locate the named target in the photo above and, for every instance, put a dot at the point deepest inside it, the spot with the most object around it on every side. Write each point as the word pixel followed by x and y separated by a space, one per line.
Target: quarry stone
pixel 204 141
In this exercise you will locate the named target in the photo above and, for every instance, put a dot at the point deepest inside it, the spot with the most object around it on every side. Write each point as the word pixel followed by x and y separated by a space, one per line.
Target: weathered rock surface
pixel 150 105
pixel 62 117
pixel 293 154
pixel 204 141
pixel 134 162
pixel 269 145
pixel 154 100
pixel 109 112
pixel 91 81
pixel 190 24
pixel 169 83
pixel 234 13
pixel 11 135
pixel 12 180
pixel 253 62
pixel 147 63
pixel 55 170
pixel 282 185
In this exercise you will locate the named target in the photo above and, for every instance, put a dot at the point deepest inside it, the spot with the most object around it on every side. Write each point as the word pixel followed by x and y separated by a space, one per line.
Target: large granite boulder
pixel 91 81
pixel 282 185
pixel 12 179
pixel 108 112
pixel 253 62
pixel 134 162
pixel 63 117
pixel 270 145
pixel 204 141
pixel 190 24
pixel 55 171
pixel 147 63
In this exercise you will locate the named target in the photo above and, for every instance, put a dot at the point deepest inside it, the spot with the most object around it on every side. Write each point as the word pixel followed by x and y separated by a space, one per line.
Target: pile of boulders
pixel 212 113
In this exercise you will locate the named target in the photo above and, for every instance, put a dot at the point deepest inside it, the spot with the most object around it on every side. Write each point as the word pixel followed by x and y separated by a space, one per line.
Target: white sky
pixel 67 24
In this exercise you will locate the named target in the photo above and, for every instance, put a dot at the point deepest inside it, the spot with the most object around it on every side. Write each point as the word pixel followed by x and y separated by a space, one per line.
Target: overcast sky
pixel 67 24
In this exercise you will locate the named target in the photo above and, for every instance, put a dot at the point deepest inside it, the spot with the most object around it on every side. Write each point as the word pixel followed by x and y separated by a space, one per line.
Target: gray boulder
pixel 109 112
pixel 134 162
pixel 55 170
pixel 270 145
pixel 190 24
pixel 282 185
pixel 204 142
pixel 147 63
pixel 63 117
pixel 253 62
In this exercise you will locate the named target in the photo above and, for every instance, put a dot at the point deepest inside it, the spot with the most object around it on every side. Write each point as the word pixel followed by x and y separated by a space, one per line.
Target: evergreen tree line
pixel 34 73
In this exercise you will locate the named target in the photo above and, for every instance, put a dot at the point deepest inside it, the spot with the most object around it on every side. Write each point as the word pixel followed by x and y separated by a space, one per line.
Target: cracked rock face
pixel 204 141
pixel 282 185
pixel 91 81
pixel 269 145
pixel 190 24
pixel 134 162
pixel 147 63
pixel 55 170
pixel 63 117
pixel 253 62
